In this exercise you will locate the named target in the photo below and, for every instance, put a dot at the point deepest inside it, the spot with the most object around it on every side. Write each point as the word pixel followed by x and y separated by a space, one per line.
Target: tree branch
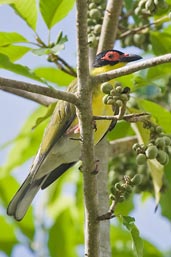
pixel 102 155
pixel 121 145
pixel 131 68
pixel 40 99
pixel 28 87
pixel 86 131
pixel 110 25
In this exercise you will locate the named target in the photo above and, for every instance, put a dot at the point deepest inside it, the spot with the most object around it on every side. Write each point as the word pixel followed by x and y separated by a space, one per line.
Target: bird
pixel 60 146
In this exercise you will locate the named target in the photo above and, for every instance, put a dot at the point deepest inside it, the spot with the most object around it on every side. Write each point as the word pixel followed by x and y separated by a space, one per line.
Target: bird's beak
pixel 129 58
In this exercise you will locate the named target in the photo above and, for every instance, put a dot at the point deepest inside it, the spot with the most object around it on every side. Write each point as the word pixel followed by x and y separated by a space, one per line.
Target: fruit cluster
pixel 95 18
pixel 159 147
pixel 115 95
pixel 149 7
pixel 122 189
pixel 138 32
pixel 125 165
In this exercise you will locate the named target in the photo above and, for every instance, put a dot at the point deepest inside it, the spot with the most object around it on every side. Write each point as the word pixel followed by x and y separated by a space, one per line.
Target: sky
pixel 14 110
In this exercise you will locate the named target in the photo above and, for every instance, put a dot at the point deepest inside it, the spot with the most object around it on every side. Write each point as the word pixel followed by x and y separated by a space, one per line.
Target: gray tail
pixel 23 198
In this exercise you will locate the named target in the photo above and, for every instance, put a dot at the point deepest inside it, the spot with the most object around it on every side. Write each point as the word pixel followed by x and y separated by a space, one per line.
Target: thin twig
pixel 136 117
pixel 51 92
pixel 135 30
pixel 70 69
pixel 40 99
pixel 62 64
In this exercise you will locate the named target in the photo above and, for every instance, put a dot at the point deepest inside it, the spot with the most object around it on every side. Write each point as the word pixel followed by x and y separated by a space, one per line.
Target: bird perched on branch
pixel 58 150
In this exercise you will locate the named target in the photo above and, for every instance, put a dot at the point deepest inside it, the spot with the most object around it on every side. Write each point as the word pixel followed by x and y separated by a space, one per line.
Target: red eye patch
pixel 112 56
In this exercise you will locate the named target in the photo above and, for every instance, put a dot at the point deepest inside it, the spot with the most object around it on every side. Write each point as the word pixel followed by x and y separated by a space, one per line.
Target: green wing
pixel 62 117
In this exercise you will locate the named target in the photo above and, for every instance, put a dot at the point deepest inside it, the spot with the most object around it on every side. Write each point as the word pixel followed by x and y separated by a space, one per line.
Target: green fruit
pixel 167 140
pixel 119 103
pixel 141 159
pixel 159 129
pixel 97 29
pixel 169 150
pixel 128 40
pixel 92 41
pixel 124 97
pixel 106 88
pixel 94 14
pixel 105 99
pixel 162 157
pixel 118 89
pixel 160 142
pixel 111 102
pixel 135 146
pixel 90 22
pixel 130 173
pixel 92 6
pixel 151 152
pixel 139 39
pixel 113 92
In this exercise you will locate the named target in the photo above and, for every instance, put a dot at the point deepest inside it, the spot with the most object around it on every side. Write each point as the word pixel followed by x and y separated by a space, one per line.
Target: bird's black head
pixel 112 57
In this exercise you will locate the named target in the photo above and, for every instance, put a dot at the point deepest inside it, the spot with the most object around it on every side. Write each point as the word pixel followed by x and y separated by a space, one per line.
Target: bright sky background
pixel 14 110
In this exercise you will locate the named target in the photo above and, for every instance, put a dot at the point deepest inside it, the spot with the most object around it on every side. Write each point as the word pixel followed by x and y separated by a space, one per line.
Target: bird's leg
pixel 94 125
pixel 75 130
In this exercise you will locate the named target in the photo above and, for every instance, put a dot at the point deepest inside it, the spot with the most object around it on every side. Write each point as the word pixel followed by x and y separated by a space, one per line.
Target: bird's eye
pixel 110 56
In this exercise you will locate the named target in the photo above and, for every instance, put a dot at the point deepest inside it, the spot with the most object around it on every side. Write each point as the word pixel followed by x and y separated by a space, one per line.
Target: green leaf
pixel 7 38
pixel 27 10
pixel 128 222
pixel 7 185
pixel 7 237
pixel 161 42
pixel 122 129
pixel 166 194
pixel 121 244
pixel 45 116
pixel 55 10
pixel 48 50
pixel 26 143
pixel 125 207
pixel 55 48
pixel 7 1
pixel 54 75
pixel 14 52
pixel 6 64
pixel 157 172
pixel 63 235
pixel 161 115
pixel 159 72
